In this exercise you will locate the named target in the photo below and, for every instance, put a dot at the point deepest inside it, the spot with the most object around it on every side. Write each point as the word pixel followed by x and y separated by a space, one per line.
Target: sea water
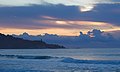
pixel 60 60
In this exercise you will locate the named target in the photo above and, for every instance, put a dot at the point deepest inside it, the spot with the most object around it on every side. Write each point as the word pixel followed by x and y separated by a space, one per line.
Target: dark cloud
pixel 25 15
pixel 35 11
pixel 106 13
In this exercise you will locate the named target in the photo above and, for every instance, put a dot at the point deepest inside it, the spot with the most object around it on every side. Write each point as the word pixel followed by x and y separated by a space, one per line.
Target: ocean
pixel 60 60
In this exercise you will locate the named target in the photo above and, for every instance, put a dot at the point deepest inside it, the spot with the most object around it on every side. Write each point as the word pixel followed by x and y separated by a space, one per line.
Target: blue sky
pixel 62 17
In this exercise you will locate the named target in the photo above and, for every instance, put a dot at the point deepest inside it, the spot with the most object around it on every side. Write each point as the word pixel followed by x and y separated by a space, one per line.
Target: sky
pixel 62 17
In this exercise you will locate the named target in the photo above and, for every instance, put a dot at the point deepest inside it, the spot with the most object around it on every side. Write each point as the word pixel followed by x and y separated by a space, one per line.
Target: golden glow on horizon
pixel 66 32
pixel 58 31
pixel 62 27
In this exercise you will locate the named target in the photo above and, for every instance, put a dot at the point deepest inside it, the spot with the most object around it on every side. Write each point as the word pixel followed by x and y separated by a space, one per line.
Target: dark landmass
pixel 10 42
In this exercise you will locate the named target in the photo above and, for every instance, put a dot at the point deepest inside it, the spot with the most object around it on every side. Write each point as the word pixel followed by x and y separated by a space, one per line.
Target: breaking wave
pixel 27 57
pixel 71 60
pixel 64 59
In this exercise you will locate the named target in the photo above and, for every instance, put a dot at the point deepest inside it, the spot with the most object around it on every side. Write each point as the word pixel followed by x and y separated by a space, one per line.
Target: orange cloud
pixel 48 17
pixel 61 27
pixel 77 24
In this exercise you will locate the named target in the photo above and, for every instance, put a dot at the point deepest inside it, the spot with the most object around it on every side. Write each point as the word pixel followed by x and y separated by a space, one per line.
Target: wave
pixel 27 57
pixel 64 59
pixel 71 60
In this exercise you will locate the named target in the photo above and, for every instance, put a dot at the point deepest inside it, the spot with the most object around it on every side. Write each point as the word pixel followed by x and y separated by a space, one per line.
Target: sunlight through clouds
pixel 83 25
pixel 86 8
pixel 64 2
pixel 84 5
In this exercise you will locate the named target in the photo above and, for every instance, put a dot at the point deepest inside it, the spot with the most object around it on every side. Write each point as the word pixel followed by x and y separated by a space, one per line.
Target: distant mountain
pixel 10 42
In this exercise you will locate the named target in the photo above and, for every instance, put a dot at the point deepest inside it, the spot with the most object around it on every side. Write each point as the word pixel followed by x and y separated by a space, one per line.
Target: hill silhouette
pixel 10 42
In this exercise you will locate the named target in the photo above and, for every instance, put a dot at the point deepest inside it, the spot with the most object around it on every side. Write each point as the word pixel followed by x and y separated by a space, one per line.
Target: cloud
pixel 64 2
pixel 106 12
pixel 19 3
pixel 93 39
pixel 103 16
pixel 84 5
pixel 103 13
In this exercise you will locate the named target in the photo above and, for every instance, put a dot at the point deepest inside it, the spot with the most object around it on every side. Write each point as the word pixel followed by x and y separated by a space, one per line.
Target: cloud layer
pixel 60 15
pixel 64 2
